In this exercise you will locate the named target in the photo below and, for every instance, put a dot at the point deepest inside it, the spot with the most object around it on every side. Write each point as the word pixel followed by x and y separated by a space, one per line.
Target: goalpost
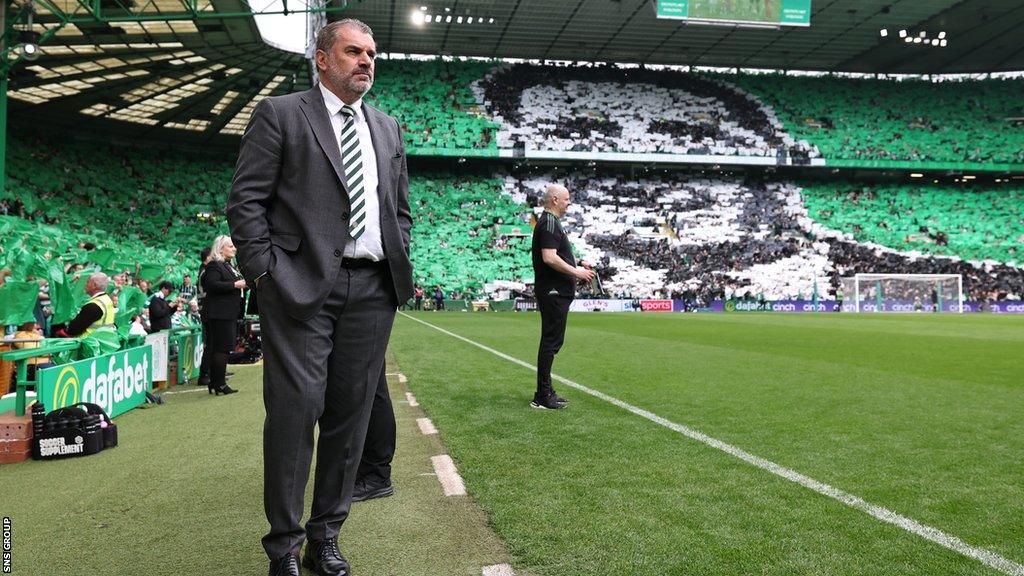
pixel 904 293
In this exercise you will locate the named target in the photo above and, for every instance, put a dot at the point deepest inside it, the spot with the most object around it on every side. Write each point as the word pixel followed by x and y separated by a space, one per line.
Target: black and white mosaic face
pixel 717 237
pixel 628 111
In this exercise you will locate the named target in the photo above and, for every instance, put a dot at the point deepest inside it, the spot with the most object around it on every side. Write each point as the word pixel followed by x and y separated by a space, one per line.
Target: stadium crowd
pixel 612 109
pixel 655 233
pixel 705 239
pixel 971 222
pixel 434 103
pixel 909 120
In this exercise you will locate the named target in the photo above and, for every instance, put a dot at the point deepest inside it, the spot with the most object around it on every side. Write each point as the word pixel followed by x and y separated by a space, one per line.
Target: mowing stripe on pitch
pixel 987 557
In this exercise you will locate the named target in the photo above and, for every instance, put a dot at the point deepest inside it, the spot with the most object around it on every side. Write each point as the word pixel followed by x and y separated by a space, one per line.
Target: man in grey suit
pixel 319 212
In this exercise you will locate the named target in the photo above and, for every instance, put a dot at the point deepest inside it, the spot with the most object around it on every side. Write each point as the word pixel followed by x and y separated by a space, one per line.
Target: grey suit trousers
pixel 320 372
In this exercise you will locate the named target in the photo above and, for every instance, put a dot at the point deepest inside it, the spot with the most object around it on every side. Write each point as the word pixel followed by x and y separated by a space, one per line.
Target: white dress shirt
pixel 369 244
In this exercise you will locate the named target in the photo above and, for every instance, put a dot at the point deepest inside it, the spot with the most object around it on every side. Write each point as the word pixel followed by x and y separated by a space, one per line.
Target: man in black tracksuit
pixel 555 273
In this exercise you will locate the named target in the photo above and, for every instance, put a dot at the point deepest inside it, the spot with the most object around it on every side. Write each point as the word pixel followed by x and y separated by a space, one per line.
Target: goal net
pixel 932 293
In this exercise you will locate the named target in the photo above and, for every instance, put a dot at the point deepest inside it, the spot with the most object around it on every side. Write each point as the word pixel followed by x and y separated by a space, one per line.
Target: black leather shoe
pixel 368 490
pixel 287 565
pixel 324 559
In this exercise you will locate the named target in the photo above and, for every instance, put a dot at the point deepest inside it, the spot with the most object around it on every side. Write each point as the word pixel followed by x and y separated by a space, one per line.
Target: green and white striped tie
pixel 352 160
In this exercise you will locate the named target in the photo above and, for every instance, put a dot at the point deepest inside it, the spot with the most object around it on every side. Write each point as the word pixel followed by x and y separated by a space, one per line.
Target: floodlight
pixel 903 33
pixel 459 20
pixel 908 39
pixel 917 40
pixel 469 20
pixel 417 18
pixel 883 32
pixel 491 21
pixel 29 40
pixel 30 51
pixel 448 18
pixel 942 35
pixel 942 43
pixel 935 41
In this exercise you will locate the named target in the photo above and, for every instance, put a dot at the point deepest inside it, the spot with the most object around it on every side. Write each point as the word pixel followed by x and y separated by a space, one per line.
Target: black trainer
pixel 559 399
pixel 323 558
pixel 548 401
pixel 369 490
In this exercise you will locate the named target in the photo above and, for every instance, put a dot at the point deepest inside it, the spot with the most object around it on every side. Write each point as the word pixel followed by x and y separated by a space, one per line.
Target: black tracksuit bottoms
pixel 554 311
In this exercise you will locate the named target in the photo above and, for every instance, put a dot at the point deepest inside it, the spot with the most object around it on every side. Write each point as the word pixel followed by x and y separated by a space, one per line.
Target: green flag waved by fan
pixel 17 301
pixel 130 302
pixel 150 271
pixel 103 257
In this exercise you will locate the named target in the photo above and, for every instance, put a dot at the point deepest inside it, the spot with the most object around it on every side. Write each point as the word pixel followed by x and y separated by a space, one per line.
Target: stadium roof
pixel 984 35
pixel 195 82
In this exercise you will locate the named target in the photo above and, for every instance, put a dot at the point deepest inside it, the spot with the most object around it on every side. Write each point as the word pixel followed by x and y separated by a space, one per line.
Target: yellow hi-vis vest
pixel 107 320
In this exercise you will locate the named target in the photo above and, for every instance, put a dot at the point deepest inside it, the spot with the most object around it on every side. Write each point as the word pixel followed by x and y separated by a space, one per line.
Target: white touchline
pixel 987 557
pixel 426 426
pixel 451 482
pixel 173 392
pixel 498 570
pixel 411 399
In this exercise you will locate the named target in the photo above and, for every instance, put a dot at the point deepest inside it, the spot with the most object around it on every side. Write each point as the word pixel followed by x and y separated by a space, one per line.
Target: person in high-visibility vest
pixel 98 313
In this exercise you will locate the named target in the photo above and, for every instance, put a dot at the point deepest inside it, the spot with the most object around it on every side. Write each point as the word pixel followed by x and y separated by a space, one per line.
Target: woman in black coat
pixel 222 307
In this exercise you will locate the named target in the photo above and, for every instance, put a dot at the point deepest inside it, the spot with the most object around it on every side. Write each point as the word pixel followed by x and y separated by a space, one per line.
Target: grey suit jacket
pixel 288 209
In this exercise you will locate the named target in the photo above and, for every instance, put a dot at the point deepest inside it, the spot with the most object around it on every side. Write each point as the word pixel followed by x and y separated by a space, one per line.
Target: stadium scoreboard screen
pixel 739 12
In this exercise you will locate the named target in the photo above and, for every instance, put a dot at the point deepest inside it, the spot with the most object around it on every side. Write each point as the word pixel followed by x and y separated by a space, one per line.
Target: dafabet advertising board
pixel 116 382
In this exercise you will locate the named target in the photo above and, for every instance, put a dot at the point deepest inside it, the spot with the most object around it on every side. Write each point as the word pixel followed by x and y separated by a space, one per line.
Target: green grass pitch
pixel 182 494
pixel 922 415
